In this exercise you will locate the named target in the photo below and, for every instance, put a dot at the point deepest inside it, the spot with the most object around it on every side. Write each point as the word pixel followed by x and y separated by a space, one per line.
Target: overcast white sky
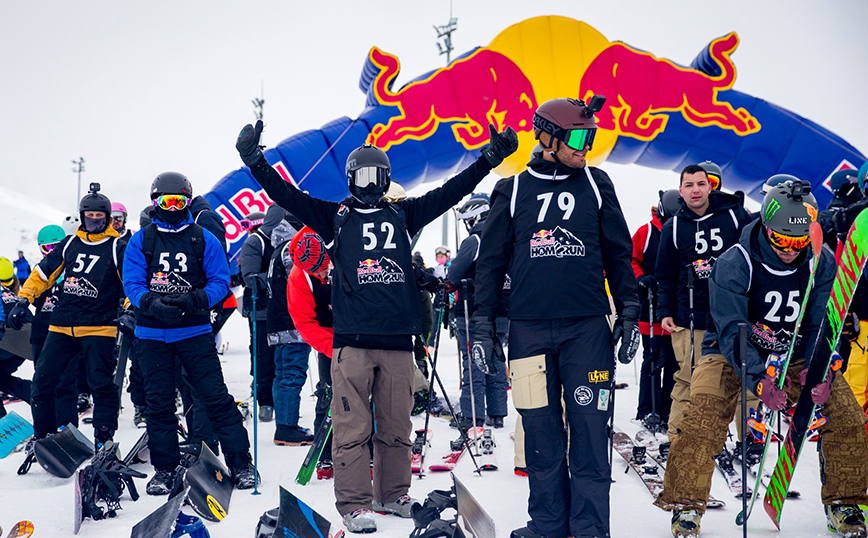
pixel 137 88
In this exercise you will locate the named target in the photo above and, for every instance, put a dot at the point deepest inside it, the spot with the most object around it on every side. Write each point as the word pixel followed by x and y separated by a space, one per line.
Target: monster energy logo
pixel 773 207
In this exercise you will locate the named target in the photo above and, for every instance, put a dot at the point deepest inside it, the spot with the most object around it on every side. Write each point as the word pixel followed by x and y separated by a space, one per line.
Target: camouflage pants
pixel 715 384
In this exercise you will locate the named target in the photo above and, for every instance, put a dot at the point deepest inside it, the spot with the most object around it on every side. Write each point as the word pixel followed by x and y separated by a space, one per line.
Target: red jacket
pixel 645 242
pixel 302 305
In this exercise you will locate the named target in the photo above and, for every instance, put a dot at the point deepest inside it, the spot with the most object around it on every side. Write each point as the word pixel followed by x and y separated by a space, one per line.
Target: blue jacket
pixel 216 270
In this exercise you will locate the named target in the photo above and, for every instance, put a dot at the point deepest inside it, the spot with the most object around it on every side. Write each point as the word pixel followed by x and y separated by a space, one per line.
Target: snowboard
pixel 315 451
pixel 78 513
pixel 161 522
pixel 210 486
pixel 62 453
pixel 14 430
pixel 18 342
pixel 133 456
pixel 22 529
pixel 124 344
pixel 417 450
pixel 472 519
pixel 298 520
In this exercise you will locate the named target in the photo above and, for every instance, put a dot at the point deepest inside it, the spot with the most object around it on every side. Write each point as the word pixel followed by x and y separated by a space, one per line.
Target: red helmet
pixel 308 250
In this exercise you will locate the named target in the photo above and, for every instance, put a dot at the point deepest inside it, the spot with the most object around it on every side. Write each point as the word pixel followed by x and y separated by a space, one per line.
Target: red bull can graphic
pixel 382 271
pixel 641 89
pixel 494 90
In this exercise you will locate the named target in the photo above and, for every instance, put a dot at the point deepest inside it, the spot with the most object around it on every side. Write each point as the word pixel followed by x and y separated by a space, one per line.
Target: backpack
pixel 149 242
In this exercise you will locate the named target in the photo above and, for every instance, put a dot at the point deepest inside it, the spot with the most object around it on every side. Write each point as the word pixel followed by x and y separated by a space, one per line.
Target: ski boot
pixel 325 470
pixel 525 532
pixel 653 423
pixel 292 436
pixel 494 422
pixel 685 523
pixel 401 507
pixel 360 521
pixel 161 483
pixel 845 519
pixel 241 467
pixel 139 418
pixel 103 436
pixel 520 471
pixel 83 404
pixel 266 413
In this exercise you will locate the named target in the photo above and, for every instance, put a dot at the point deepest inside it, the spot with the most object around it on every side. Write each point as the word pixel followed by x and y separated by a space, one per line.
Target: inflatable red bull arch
pixel 658 114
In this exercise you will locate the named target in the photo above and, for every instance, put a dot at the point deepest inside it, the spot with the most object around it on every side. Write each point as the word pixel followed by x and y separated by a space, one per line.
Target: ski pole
pixel 464 288
pixel 433 359
pixel 690 293
pixel 651 340
pixel 255 280
pixel 742 355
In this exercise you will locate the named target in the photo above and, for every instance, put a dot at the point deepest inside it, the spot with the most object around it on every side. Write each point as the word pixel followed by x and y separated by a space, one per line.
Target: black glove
pixel 127 323
pixel 845 218
pixel 247 144
pixel 189 303
pixel 153 305
pixel 648 282
pixel 485 347
pixel 626 332
pixel 425 279
pixel 19 315
pixel 448 287
pixel 501 146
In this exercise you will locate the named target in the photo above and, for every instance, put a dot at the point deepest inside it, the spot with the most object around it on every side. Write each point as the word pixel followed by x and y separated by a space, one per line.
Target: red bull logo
pixel 485 87
pixel 541 238
pixel 369 263
pixel 160 278
pixel 703 267
pixel 641 90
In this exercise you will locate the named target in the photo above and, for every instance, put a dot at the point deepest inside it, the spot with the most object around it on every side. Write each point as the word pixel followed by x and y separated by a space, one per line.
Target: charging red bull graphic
pixel 661 113
pixel 641 89
pixel 491 90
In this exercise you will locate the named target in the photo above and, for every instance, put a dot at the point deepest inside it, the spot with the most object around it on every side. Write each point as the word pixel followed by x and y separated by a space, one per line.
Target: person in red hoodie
pixel 309 300
pixel 658 358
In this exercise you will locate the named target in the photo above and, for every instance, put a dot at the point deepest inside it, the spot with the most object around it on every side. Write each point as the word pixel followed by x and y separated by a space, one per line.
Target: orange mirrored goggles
pixel 714 181
pixel 169 201
pixel 787 243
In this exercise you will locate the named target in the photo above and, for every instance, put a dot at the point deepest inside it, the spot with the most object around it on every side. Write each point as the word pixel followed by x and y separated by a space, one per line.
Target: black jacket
pixel 749 284
pixel 690 241
pixel 375 302
pixel 463 266
pixel 558 231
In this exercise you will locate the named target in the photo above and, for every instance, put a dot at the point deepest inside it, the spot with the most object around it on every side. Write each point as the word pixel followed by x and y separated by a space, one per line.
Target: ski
pixel 769 418
pixel 456 450
pixel 14 430
pixel 649 470
pixel 723 462
pixel 308 466
pixel 850 269
pixel 416 450
pixel 22 529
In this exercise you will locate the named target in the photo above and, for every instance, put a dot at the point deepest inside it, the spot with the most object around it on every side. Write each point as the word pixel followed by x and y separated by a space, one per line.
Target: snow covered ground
pixel 48 501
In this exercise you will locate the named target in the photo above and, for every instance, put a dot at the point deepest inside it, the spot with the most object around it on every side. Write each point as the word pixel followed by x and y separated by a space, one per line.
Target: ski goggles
pixel 249 224
pixel 119 215
pixel 369 175
pixel 45 249
pixel 714 181
pixel 170 201
pixel 579 138
pixel 786 243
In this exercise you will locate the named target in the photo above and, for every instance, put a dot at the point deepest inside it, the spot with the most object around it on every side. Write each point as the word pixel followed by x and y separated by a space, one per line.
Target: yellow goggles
pixel 169 201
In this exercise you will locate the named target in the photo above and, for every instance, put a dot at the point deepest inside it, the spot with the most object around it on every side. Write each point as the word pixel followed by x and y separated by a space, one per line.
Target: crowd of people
pixel 548 269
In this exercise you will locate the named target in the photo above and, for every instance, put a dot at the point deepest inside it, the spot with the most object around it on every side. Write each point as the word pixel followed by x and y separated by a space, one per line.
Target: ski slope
pixel 48 501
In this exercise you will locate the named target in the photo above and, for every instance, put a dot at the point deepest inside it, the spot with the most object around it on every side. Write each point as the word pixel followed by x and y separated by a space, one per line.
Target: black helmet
pixel 715 177
pixel 368 174
pixel 558 117
pixel 171 183
pixel 789 207
pixel 669 204
pixel 94 201
pixel 474 210
pixel 775 180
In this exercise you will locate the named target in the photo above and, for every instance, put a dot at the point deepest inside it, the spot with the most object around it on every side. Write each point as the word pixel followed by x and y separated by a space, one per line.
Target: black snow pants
pixel 571 359
pixel 198 356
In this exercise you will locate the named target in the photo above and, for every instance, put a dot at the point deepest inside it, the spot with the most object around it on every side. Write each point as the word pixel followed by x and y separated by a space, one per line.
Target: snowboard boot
pixel 325 470
pixel 292 436
pixel 139 417
pixel 161 483
pixel 103 436
pixel 494 422
pixel 241 467
pixel 439 408
pixel 360 521
pixel 525 532
pixel 520 471
pixel 845 519
pixel 84 403
pixel 685 523
pixel 266 413
pixel 400 507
